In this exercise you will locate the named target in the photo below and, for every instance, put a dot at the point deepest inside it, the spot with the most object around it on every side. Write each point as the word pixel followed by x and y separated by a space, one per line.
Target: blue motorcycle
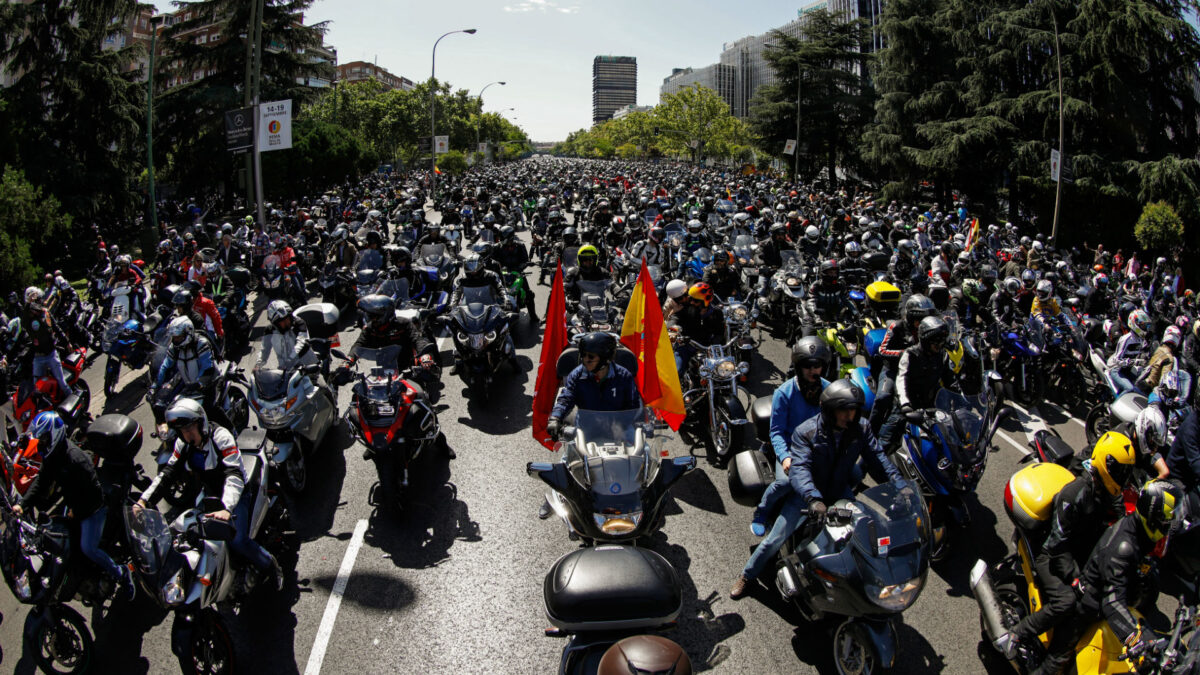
pixel 945 450
pixel 1019 360
pixel 129 342
pixel 694 267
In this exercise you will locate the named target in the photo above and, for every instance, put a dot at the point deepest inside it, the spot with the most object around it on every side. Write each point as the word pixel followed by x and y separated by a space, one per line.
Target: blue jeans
pixel 242 544
pixel 885 391
pixel 791 517
pixel 1122 383
pixel 90 530
pixel 683 356
pixel 41 363
pixel 774 492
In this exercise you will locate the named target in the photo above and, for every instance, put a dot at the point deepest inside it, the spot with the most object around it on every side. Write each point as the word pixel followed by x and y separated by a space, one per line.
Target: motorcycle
pixel 867 563
pixel 337 286
pixel 786 295
pixel 391 415
pixel 740 320
pixel 296 414
pixel 229 293
pixel 945 451
pixel 129 343
pixel 713 398
pixel 1019 360
pixel 1171 395
pixel 594 597
pixel 433 259
pixel 595 311
pixel 34 397
pixel 482 339
pixel 187 567
pixel 609 486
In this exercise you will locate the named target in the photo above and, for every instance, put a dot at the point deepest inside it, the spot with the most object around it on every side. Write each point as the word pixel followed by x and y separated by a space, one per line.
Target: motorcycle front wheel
pixel 1097 423
pixel 62 642
pixel 238 409
pixel 853 652
pixel 726 437
pixel 295 470
pixel 210 651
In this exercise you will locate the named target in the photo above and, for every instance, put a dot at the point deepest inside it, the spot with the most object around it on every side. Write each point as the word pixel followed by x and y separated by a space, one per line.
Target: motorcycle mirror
pixel 915 417
pixel 339 354
pixel 686 463
pixel 534 468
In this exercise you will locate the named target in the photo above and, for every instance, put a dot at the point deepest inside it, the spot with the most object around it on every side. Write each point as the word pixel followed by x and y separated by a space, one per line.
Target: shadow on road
pixel 507 407
pixel 976 541
pixel 432 520
pixel 313 511
pixel 697 489
pixel 700 630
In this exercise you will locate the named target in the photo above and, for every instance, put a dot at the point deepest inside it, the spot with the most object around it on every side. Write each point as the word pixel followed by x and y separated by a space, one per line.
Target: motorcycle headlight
pixel 739 313
pixel 491 335
pixel 462 337
pixel 173 593
pixel 22 588
pixel 618 524
pixel 1034 349
pixel 851 349
pixel 896 597
pixel 726 369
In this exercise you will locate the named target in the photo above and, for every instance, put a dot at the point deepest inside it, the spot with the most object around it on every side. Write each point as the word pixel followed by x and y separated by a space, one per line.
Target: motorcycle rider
pixel 476 275
pixel 125 271
pixel 597 383
pixel 191 356
pixel 588 269
pixel 68 472
pixel 1162 361
pixel 201 307
pixel 1129 352
pixel 899 337
pixel 513 257
pixel 827 450
pixel 342 250
pixel 1110 580
pixel 827 299
pixel 676 292
pixel 1080 510
pixel 229 254
pixel 770 253
pixel 700 320
pixel 725 281
pixel 385 327
pixel 651 249
pixel 1003 304
pixel 793 402
pixel 922 370
pixel 210 452
pixel 287 261
pixel 851 268
pixel 286 338
pixel 43 335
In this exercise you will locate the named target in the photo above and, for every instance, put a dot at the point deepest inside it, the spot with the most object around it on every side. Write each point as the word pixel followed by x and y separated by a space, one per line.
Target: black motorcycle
pixel 337 286
pixel 482 339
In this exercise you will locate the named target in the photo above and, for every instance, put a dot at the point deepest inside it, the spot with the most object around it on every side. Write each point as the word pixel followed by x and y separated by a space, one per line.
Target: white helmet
pixel 1151 428
pixel 181 327
pixel 676 288
pixel 1037 245
pixel 1173 336
pixel 811 233
pixel 33 294
pixel 185 411
pixel 1044 289
pixel 277 310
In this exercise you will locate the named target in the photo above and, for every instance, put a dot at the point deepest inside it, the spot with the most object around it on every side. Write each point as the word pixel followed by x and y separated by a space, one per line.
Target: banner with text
pixel 275 125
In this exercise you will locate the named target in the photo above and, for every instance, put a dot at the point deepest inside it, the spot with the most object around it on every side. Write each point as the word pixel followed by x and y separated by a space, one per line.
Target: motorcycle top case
pixel 611 588
pixel 240 276
pixel 1029 495
pixel 321 318
pixel 883 294
pixel 750 473
pixel 115 438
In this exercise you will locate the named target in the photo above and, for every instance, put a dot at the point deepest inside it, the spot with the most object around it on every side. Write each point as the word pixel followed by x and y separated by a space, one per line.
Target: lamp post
pixel 433 113
pixel 480 99
pixel 154 22
pixel 1062 158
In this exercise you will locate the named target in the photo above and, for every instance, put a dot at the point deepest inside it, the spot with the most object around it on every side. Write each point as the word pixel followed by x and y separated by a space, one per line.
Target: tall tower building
pixel 614 85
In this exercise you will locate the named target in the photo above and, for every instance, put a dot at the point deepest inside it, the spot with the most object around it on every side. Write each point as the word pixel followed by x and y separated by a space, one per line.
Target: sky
pixel 543 49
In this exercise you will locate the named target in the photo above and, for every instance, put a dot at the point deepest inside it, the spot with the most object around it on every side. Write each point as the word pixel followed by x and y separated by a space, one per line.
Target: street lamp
pixel 480 99
pixel 433 113
pixel 154 22
pixel 799 89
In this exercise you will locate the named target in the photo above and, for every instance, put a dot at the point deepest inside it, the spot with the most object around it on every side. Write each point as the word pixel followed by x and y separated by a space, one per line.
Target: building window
pixel 214 37
pixel 201 39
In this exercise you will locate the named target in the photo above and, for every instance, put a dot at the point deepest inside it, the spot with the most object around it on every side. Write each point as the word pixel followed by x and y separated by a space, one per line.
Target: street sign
pixel 483 147
pixel 1055 165
pixel 441 144
pixel 1068 172
pixel 789 148
pixel 239 130
pixel 275 125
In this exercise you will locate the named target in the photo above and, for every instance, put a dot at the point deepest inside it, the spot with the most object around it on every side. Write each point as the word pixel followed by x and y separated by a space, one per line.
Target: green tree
pixel 1159 228
pixel 189 117
pixel 72 118
pixel 826 70
pixel 698 120
pixel 453 163
pixel 28 219
pixel 322 154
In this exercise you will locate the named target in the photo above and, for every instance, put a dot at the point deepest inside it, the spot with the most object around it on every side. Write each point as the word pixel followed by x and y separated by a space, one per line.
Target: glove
pixel 151 392
pixel 426 361
pixel 553 427
pixel 818 511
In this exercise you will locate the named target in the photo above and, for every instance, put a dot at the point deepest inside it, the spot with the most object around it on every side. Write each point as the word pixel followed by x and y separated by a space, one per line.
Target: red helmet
pixel 702 292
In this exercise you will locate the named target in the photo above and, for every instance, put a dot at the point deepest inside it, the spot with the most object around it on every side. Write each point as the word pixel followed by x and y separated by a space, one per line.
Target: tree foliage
pixel 28 219
pixel 1160 228
pixel 322 154
pixel 453 163
pixel 826 71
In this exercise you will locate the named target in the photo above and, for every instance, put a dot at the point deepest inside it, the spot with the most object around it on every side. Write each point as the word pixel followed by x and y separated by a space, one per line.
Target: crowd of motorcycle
pixel 856 281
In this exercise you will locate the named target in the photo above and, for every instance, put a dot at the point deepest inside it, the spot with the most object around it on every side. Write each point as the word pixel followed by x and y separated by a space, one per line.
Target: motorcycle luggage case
pixel 1029 494
pixel 760 416
pixel 167 293
pixel 611 588
pixel 115 438
pixel 240 276
pixel 883 294
pixel 750 473
pixel 876 261
pixel 321 318
pixel 74 407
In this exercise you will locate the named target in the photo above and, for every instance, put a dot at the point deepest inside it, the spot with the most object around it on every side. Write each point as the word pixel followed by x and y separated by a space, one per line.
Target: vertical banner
pixel 275 125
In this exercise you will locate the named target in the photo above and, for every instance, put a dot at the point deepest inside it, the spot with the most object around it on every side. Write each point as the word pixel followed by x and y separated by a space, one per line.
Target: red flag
pixel 554 340
pixel 645 334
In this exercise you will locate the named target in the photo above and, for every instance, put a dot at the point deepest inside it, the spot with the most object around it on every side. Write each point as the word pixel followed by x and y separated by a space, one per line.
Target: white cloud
pixel 542 6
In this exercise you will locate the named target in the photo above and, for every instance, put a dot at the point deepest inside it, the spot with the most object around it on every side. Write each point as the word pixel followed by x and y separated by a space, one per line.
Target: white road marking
pixel 317 656
pixel 1066 413
pixel 1021 448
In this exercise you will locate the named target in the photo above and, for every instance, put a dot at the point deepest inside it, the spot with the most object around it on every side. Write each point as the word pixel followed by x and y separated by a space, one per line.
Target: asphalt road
pixel 454 584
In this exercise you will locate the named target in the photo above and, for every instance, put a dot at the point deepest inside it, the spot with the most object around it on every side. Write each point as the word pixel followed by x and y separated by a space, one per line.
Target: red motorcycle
pixel 390 415
pixel 42 394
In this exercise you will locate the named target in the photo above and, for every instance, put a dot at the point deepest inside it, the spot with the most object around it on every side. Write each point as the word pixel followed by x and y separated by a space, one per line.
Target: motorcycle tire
pixel 295 472
pixel 853 651
pixel 62 642
pixel 110 379
pixel 727 437
pixel 210 650
pixel 182 494
pixel 386 494
pixel 1096 423
pixel 238 409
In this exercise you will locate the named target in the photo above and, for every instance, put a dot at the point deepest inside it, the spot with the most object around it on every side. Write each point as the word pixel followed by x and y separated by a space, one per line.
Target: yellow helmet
pixel 1156 507
pixel 588 251
pixel 1113 458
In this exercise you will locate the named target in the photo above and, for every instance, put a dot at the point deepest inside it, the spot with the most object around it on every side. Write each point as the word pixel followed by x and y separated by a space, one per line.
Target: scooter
pixel 296 413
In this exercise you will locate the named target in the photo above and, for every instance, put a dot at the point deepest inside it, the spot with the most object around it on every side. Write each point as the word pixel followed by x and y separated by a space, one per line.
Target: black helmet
pixel 778 229
pixel 401 255
pixel 599 343
pixel 378 308
pixel 183 299
pixel 916 308
pixel 375 238
pixel 1157 506
pixel 570 236
pixel 506 233
pixel 808 350
pixel 933 332
pixel 644 654
pixel 829 268
pixel 841 394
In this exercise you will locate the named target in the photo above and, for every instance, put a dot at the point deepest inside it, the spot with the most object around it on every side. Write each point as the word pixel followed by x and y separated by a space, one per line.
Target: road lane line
pixel 1066 413
pixel 317 656
pixel 1002 434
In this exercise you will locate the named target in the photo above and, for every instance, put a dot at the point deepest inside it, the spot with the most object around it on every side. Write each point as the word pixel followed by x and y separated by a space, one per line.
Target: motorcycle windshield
pixel 610 428
pixel 789 257
pixel 596 288
pixel 960 421
pixel 370 259
pixel 891 531
pixel 150 537
pixel 395 288
pixel 270 383
pixel 384 358
pixel 432 254
pixel 366 276
pixel 570 256
pixel 704 255
pixel 743 246
pixel 477 294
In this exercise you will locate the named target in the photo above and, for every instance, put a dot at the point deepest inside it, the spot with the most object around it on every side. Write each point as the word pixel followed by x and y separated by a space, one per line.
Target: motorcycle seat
pixel 1057 450
pixel 252 464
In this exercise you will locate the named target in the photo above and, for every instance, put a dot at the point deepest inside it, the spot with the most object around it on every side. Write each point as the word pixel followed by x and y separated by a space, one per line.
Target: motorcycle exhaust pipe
pixel 985 597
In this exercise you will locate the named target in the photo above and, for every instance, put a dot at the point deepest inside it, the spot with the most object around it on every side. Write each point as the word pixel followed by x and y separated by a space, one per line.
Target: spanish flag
pixel 645 334
pixel 973 235
pixel 437 170
pixel 553 342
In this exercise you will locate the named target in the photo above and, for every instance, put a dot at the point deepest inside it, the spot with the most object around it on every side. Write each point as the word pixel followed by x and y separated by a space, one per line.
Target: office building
pixel 358 71
pixel 622 112
pixel 718 77
pixel 870 10
pixel 614 85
